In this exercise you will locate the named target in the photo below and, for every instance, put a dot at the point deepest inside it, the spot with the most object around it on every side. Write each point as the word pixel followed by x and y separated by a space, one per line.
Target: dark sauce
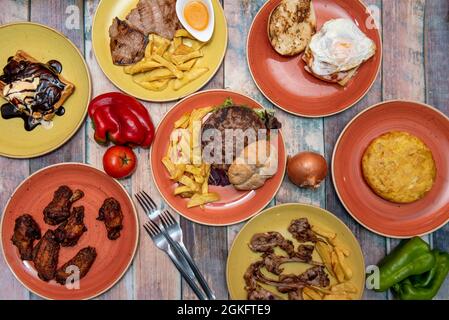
pixel 60 112
pixel 9 111
pixel 47 93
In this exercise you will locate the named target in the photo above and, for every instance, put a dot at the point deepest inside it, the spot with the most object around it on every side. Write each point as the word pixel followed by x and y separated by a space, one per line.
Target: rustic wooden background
pixel 416 44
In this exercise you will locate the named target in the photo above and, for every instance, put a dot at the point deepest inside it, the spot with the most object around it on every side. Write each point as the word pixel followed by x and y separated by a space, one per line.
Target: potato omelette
pixel 399 167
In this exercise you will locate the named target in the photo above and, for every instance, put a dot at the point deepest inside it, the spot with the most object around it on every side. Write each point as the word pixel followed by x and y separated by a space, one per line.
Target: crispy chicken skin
pixel 58 210
pixel 45 256
pixel 83 260
pixel 26 230
pixel 69 232
pixel 111 213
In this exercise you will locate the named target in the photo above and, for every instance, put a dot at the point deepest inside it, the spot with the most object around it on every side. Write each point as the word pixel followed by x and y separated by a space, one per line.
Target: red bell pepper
pixel 121 119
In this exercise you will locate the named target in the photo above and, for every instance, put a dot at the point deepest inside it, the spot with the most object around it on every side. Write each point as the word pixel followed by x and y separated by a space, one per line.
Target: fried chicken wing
pixel 83 261
pixel 26 230
pixel 45 256
pixel 111 213
pixel 69 232
pixel 58 210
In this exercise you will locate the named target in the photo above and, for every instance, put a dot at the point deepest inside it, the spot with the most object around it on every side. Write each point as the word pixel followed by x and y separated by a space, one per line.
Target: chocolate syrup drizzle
pixel 48 91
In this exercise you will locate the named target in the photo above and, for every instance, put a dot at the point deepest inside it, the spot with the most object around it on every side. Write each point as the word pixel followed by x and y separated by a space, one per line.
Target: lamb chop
pixel 26 230
pixel 69 232
pixel 266 242
pixel 58 210
pixel 302 231
pixel 273 262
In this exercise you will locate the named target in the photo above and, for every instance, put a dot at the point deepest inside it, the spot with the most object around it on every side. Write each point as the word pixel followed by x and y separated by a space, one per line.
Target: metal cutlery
pixel 161 242
pixel 170 230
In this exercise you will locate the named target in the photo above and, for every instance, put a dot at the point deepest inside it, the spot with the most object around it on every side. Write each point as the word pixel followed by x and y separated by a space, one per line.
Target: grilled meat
pixel 69 232
pixel 129 38
pixel 260 293
pixel 83 260
pixel 45 256
pixel 58 210
pixel 273 262
pixel 111 213
pixel 301 231
pixel 127 43
pixel 241 120
pixel 266 242
pixel 26 230
pixel 155 16
pixel 314 276
pixel 295 295
pixel 304 252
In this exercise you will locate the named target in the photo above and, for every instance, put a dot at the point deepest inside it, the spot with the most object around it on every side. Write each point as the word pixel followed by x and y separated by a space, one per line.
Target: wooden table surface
pixel 415 48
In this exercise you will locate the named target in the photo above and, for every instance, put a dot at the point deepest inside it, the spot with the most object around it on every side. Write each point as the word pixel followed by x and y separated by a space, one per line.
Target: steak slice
pixel 127 43
pixel 233 118
pixel 155 16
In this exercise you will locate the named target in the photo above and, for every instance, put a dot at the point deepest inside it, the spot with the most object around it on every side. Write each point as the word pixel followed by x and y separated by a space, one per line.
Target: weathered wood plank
pixel 436 35
pixel 403 64
pixel 155 276
pixel 373 246
pixel 207 245
pixel 67 17
pixel 12 172
pixel 94 152
pixel 300 134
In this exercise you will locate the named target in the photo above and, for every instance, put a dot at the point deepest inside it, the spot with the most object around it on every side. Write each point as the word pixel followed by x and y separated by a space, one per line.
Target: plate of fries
pixel 337 251
pixel 184 184
pixel 171 69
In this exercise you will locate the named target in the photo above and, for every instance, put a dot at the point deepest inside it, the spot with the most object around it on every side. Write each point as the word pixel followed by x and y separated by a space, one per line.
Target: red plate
pixel 376 214
pixel 234 206
pixel 284 81
pixel 113 257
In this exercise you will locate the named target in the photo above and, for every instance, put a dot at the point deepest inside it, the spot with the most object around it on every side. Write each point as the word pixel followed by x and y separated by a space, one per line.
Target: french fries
pixel 142 66
pixel 167 60
pixel 189 76
pixel 325 253
pixel 193 176
pixel 312 294
pixel 200 199
pixel 167 64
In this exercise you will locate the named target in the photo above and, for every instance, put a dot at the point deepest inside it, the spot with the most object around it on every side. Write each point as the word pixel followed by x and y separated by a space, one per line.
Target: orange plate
pixel 113 257
pixel 284 81
pixel 373 212
pixel 234 206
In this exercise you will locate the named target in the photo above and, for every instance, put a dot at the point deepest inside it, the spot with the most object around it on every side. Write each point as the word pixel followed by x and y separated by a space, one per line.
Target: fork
pixel 161 242
pixel 177 244
pixel 175 232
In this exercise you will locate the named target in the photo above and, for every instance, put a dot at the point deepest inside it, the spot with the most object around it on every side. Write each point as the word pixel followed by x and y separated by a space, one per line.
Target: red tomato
pixel 119 162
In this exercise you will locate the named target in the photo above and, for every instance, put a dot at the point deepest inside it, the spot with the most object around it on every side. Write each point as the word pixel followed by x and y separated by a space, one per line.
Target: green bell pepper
pixel 423 280
pixel 427 286
pixel 412 257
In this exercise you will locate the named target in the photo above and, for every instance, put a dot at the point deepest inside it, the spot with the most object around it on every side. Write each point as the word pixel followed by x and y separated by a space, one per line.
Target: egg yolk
pixel 196 15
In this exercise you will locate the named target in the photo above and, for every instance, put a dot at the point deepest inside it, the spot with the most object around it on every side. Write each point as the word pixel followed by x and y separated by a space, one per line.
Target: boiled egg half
pixel 197 17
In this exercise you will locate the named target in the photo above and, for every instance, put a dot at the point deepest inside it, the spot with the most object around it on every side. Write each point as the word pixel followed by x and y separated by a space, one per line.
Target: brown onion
pixel 307 169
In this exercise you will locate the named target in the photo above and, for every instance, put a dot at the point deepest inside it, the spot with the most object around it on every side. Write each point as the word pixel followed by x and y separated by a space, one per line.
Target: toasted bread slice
pixel 291 25
pixel 65 94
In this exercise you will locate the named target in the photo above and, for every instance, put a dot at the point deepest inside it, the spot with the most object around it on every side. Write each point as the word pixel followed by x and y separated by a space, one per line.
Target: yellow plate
pixel 214 52
pixel 278 219
pixel 44 44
